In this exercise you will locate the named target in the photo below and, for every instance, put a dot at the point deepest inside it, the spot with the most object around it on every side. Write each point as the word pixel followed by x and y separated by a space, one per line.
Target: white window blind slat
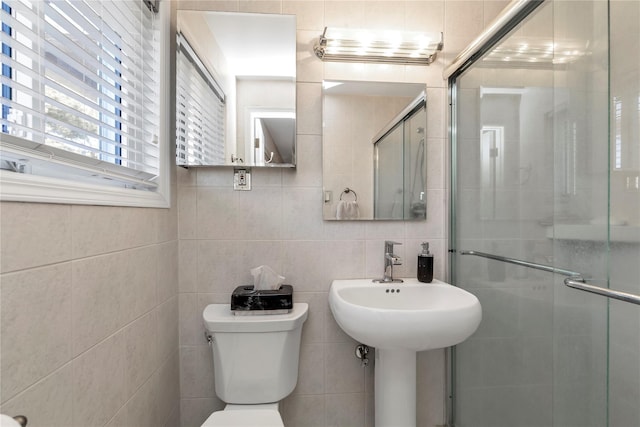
pixel 106 114
pixel 199 112
pixel 80 78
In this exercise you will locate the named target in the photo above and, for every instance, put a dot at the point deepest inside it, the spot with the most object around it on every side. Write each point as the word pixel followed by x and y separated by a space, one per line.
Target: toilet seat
pixel 245 418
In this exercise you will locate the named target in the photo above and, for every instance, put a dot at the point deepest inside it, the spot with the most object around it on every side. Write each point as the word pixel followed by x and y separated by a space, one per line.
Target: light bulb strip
pixel 410 48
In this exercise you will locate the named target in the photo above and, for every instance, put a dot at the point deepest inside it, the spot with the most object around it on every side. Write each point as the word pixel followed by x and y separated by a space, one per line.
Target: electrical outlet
pixel 242 179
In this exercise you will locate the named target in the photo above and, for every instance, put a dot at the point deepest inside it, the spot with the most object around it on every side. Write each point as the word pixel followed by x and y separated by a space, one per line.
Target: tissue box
pixel 244 300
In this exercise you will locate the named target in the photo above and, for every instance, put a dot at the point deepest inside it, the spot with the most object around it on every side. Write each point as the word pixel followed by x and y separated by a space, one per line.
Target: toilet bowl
pixel 255 363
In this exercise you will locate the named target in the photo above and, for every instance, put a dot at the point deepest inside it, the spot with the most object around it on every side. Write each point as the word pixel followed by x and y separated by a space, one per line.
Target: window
pixel 200 111
pixel 82 104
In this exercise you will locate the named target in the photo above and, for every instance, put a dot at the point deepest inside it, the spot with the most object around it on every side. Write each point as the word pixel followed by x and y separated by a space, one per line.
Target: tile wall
pixel 224 233
pixel 89 315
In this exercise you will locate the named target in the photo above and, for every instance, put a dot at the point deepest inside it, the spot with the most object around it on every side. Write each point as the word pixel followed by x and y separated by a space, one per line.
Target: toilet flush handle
pixel 208 337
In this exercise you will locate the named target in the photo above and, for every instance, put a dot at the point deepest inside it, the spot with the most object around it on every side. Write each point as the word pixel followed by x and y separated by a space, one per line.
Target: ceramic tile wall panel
pixel 80 291
pixel 35 325
pixel 48 403
pixel 225 233
pixel 34 235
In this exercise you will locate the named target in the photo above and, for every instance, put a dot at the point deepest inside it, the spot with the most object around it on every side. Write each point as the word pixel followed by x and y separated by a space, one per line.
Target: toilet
pixel 255 363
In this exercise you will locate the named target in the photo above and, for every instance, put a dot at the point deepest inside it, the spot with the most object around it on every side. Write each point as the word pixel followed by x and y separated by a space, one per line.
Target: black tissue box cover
pixel 244 298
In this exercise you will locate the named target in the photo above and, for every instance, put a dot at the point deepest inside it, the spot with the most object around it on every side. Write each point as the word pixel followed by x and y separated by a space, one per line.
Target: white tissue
pixel 264 278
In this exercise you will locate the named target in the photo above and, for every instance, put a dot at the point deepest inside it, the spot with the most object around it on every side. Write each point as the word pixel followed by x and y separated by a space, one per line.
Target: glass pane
pixel 505 185
pixel 388 175
pixel 580 211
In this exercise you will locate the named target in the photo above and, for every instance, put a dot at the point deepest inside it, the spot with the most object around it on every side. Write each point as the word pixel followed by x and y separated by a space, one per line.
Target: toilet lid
pixel 245 418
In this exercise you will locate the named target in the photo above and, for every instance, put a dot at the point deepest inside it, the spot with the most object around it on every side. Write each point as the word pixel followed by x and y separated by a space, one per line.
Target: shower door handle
pixel 609 293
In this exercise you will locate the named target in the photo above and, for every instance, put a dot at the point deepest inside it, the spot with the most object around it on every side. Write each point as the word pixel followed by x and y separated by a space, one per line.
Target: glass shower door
pixel 547 171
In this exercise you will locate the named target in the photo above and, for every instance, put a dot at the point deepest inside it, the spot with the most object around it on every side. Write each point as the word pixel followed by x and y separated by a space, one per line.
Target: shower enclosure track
pixel 574 280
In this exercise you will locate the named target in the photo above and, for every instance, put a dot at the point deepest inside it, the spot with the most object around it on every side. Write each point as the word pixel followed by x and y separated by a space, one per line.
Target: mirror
pixel 235 89
pixel 374 151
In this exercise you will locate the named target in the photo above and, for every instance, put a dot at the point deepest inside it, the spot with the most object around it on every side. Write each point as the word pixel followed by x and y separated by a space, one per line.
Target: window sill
pixel 29 188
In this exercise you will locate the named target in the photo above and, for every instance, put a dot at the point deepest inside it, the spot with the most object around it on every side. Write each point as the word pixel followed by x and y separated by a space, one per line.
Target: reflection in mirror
pixel 235 89
pixel 374 151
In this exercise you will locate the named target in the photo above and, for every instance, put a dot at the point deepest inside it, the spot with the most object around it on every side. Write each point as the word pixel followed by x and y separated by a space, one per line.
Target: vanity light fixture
pixel 397 47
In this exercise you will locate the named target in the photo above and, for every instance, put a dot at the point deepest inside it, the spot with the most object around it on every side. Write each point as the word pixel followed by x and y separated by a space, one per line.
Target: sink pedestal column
pixel 395 388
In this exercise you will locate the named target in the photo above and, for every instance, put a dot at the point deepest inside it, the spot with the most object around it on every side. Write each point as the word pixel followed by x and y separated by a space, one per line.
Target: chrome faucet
pixel 390 259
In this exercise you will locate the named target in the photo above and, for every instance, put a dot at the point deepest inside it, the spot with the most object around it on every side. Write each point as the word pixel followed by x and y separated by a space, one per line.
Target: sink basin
pixel 400 319
pixel 411 315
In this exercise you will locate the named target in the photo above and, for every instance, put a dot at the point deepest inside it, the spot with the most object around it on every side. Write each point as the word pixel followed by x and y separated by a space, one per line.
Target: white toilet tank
pixel 255 357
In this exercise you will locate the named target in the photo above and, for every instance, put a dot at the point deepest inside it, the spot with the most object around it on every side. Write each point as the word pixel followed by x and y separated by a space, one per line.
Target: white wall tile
pixel 217 213
pixel 96 302
pixel 168 386
pixel 99 229
pixel 140 355
pixel 258 215
pixel 138 277
pixel 190 320
pixel 196 372
pixel 140 410
pixel 309 67
pixel 188 265
pixel 309 108
pixel 345 14
pixel 167 219
pixel 308 172
pixel 47 403
pixel 301 218
pixel 187 213
pixel 33 234
pixel 104 385
pixel 311 376
pixel 313 328
pixel 167 319
pixel 342 370
pixel 217 265
pixel 35 314
pixel 309 14
pixel 344 410
pixel 299 410
pixel 167 263
pixel 261 6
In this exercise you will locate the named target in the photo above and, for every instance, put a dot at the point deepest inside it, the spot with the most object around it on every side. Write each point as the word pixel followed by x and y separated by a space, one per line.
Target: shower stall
pixel 399 168
pixel 545 211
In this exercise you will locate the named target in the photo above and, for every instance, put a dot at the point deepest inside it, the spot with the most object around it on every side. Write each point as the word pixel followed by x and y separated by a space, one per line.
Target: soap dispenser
pixel 425 264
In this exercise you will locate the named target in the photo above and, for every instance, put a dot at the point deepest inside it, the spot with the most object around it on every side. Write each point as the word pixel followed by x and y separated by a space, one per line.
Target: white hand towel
pixel 341 210
pixel 353 209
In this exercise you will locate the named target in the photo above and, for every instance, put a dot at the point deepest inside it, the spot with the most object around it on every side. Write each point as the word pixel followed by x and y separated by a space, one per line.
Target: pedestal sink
pixel 400 319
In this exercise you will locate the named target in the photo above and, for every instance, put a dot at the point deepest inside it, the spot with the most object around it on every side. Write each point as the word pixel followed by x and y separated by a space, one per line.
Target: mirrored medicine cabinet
pixel 235 89
pixel 374 151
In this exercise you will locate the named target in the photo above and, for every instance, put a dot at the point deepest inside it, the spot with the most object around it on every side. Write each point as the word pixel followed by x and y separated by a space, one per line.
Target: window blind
pixel 200 111
pixel 80 86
